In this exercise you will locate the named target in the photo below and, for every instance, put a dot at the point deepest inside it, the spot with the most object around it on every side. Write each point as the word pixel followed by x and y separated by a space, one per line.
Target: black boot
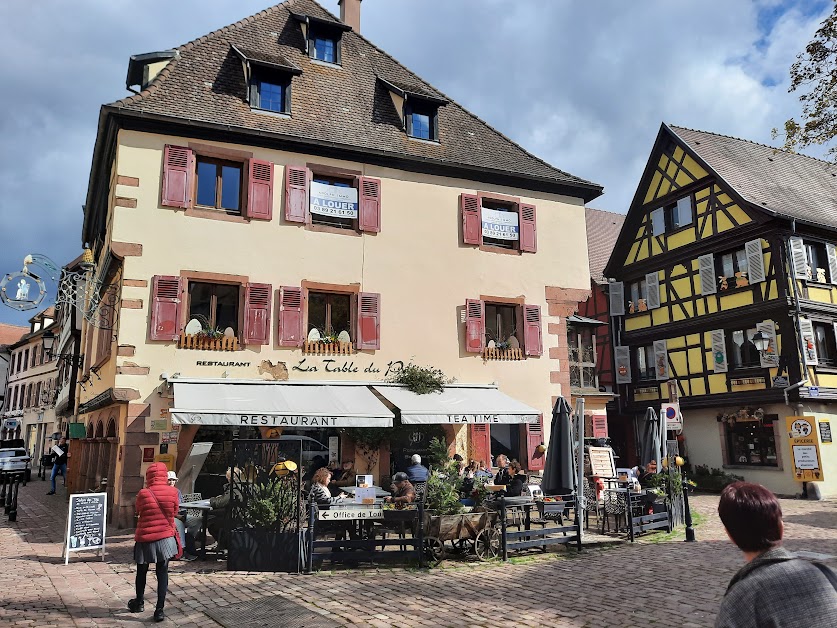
pixel 159 615
pixel 136 606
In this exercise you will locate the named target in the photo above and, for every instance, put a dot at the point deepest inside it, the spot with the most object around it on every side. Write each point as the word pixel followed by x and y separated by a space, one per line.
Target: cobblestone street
pixel 659 581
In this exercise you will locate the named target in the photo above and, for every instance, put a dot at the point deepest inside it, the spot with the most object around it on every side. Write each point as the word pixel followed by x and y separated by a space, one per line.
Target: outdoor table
pixel 204 507
pixel 379 492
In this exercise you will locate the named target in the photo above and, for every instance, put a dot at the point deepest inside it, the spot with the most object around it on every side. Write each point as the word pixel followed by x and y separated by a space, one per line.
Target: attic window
pixel 325 48
pixel 270 91
pixel 323 38
pixel 421 119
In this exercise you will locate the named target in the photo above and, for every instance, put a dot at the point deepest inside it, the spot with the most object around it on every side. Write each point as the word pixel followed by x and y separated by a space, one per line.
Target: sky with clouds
pixel 584 85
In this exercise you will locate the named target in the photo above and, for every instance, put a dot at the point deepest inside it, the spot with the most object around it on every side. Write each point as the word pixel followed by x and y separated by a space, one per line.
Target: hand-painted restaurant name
pixel 291 421
pixel 334 366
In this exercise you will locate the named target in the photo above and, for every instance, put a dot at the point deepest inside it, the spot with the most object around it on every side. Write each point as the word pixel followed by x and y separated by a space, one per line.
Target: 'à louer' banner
pixel 500 225
pixel 333 200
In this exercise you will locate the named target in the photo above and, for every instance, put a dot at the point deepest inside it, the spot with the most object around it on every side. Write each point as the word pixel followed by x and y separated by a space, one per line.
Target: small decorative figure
pixel 808 271
pixel 821 275
pixel 22 291
pixel 722 283
pixel 741 279
pixel 641 305
pixel 631 308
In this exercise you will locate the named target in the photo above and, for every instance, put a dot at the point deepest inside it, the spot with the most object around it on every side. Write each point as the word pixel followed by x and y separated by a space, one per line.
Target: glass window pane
pixel 727 265
pixel 741 259
pixel 658 222
pixel 324 50
pixel 317 311
pixel 226 313
pixel 271 96
pixel 207 173
pixel 200 298
pixel 231 187
pixel 492 324
pixel 341 313
pixel 683 212
pixel 421 126
pixel 507 322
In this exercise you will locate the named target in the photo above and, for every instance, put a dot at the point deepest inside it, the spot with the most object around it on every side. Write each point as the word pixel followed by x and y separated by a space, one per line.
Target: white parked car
pixel 15 459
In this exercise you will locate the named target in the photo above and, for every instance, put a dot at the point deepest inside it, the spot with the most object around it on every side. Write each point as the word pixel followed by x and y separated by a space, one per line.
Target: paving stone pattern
pixel 649 583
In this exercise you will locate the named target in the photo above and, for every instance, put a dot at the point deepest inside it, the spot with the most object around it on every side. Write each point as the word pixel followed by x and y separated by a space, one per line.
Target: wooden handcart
pixel 475 532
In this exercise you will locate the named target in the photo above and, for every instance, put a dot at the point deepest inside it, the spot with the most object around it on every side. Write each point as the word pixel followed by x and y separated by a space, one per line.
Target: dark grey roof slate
pixel 786 184
pixel 343 106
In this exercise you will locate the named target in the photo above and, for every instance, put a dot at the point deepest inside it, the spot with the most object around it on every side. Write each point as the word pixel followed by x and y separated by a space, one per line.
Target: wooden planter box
pixel 502 354
pixel 327 348
pixel 224 343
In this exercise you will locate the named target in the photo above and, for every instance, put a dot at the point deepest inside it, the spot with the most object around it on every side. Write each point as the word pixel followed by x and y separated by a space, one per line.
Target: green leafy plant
pixel 713 479
pixel 438 456
pixel 207 331
pixel 270 504
pixel 443 492
pixel 421 380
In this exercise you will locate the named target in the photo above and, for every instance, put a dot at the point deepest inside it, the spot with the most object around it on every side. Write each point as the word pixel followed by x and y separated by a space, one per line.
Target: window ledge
pixel 732 289
pixel 421 140
pixel 327 348
pixel 225 343
pixel 332 229
pixel 215 214
pixel 492 353
pixel 273 114
pixel 326 64
pixel 750 467
pixel 488 248
pixel 818 284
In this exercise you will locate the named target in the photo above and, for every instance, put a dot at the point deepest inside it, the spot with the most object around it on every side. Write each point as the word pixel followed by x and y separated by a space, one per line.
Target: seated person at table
pixel 468 479
pixel 319 488
pixel 343 477
pixel 502 476
pixel 187 539
pixel 402 491
pixel 217 515
pixel 416 472
pixel 483 471
pixel 518 480
pixel 645 474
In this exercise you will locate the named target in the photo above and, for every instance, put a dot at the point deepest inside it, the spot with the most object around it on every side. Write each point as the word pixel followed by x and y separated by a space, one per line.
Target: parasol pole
pixel 579 486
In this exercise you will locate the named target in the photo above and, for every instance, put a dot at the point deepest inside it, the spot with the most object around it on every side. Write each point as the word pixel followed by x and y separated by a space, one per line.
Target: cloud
pixel 585 85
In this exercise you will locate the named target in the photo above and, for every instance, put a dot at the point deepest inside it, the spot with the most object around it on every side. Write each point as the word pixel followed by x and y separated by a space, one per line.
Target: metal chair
pixel 615 503
pixel 592 503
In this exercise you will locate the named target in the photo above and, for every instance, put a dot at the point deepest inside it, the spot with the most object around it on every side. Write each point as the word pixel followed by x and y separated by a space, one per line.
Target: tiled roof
pixel 602 232
pixel 345 106
pixel 259 56
pixel 787 184
pixel 10 334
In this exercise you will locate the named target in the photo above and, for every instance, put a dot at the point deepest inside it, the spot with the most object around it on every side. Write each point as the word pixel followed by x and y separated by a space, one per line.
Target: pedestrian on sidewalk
pixel 59 463
pixel 774 588
pixel 155 537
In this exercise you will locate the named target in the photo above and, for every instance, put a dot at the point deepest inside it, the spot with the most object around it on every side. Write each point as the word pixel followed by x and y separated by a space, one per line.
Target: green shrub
pixel 443 491
pixel 714 480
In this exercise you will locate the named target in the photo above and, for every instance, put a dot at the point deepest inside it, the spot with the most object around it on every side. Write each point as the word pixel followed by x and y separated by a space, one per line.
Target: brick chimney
pixel 350 13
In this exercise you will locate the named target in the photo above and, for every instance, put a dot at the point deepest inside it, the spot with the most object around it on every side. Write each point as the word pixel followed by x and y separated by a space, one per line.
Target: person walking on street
pixel 155 536
pixel 774 588
pixel 59 463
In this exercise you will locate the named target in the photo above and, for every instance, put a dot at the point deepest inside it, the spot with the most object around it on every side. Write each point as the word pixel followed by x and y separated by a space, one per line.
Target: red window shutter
pixel 528 229
pixel 296 193
pixel 599 420
pixel 165 308
pixel 534 437
pixel 260 190
pixel 480 434
pixel 369 321
pixel 257 298
pixel 471 219
pixel 474 326
pixel 290 316
pixel 178 168
pixel 370 205
pixel 532 339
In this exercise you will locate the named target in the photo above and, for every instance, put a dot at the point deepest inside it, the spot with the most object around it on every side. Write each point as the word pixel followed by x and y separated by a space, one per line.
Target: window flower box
pixel 493 353
pixel 197 341
pixel 327 348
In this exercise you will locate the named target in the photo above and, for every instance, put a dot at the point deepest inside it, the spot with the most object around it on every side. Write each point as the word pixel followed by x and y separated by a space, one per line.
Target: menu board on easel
pixel 601 462
pixel 86 524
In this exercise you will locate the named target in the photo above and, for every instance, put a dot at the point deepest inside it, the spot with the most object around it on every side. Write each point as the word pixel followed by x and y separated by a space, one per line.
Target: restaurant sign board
pixel 333 200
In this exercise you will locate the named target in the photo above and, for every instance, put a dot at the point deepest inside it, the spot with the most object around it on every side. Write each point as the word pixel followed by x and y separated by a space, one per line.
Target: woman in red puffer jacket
pixel 157 504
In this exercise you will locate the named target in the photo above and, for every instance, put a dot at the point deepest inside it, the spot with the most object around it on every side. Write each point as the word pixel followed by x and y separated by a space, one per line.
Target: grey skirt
pixel 155 551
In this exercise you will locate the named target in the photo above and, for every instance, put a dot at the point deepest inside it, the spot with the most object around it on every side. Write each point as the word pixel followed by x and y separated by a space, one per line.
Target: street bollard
pixel 13 490
pixel 7 504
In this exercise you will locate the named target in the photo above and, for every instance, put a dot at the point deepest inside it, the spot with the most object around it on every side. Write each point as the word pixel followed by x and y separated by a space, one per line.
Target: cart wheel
pixel 487 544
pixel 434 548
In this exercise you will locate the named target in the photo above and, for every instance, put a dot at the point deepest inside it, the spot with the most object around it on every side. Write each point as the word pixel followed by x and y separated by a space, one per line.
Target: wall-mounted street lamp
pixel 49 339
pixel 761 342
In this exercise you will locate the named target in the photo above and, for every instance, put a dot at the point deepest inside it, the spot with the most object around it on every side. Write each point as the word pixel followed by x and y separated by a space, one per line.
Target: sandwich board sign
pixel 86 524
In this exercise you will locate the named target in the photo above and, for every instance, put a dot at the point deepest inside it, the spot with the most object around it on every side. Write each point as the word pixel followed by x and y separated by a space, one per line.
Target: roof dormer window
pixel 323 38
pixel 324 48
pixel 418 106
pixel 269 79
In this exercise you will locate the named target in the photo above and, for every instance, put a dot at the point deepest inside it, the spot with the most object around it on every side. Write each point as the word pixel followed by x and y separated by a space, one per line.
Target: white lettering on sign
pixel 500 225
pixel 335 514
pixel 333 200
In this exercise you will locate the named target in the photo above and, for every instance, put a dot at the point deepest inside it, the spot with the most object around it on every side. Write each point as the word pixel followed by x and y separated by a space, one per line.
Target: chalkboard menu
pixel 86 524
pixel 825 431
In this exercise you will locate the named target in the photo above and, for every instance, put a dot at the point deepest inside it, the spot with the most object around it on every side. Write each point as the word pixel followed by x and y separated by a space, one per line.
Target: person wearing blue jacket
pixel 417 472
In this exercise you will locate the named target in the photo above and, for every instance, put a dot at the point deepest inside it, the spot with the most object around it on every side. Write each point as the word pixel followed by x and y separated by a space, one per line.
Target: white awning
pixel 268 404
pixel 458 405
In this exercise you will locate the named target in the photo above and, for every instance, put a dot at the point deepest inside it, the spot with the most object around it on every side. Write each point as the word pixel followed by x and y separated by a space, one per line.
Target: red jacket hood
pixel 157 474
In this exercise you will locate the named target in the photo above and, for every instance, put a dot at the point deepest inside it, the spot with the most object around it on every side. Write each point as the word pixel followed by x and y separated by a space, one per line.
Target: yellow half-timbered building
pixel 723 295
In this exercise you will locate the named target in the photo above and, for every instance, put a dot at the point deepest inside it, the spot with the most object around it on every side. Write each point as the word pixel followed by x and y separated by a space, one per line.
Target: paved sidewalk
pixel 683 582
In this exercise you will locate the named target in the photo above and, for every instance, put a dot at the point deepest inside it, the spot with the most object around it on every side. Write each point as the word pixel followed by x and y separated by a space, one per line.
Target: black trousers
pixel 162 570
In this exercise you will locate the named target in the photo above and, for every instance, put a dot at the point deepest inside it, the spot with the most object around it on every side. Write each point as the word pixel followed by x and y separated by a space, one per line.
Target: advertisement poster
pixel 500 225
pixel 805 448
pixel 333 200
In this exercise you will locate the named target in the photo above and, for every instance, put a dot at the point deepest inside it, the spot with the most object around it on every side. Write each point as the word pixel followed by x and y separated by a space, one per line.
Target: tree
pixel 814 74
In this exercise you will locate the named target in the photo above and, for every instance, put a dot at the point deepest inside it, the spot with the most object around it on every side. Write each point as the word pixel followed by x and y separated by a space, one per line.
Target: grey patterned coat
pixel 778 590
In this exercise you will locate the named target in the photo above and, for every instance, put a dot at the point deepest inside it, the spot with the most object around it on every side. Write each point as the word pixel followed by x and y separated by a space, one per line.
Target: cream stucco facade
pixel 417 263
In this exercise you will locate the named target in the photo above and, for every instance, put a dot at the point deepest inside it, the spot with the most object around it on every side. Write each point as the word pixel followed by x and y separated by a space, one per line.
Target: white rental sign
pixel 500 225
pixel 333 200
